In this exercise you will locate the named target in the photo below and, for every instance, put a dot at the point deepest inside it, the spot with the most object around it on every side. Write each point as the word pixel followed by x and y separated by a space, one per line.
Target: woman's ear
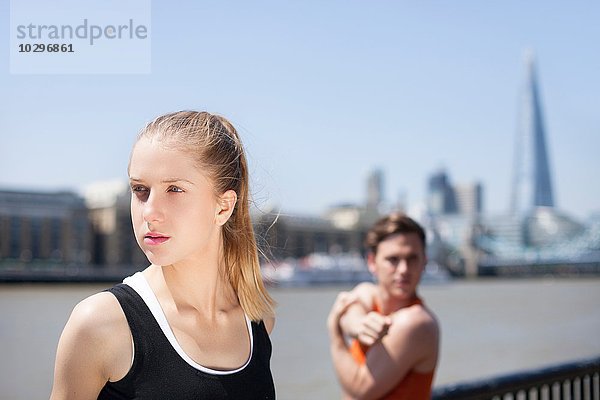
pixel 225 207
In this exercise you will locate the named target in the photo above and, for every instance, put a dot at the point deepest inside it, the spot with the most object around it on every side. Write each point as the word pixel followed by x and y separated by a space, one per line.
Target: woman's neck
pixel 199 285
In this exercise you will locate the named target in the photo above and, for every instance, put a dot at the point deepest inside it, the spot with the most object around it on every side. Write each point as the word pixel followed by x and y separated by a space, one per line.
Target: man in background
pixel 394 337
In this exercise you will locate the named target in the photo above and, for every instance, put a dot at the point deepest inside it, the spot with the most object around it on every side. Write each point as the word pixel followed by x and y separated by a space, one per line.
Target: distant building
pixel 534 229
pixel 343 230
pixel 453 218
pixel 469 198
pixel 46 228
pixel 443 198
pixel 532 182
pixel 440 194
pixel 375 197
pixel 507 232
pixel 109 212
pixel 547 226
pixel 534 221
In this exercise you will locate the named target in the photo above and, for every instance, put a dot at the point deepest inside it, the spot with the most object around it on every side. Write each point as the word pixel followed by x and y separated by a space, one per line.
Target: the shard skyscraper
pixel 532 183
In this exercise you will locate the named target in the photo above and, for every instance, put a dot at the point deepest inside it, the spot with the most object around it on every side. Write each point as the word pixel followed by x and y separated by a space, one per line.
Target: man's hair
pixel 390 225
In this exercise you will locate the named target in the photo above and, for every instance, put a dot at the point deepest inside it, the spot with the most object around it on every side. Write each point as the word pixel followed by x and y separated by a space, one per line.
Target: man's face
pixel 398 264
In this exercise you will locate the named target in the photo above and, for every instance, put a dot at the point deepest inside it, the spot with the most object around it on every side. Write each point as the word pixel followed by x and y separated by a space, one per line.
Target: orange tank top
pixel 414 385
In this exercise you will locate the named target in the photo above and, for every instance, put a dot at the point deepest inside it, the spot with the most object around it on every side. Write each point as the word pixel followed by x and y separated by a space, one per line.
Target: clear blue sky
pixel 324 91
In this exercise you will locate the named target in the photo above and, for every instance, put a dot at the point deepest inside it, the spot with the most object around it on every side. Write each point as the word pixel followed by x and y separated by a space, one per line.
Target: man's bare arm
pixel 412 338
pixel 359 321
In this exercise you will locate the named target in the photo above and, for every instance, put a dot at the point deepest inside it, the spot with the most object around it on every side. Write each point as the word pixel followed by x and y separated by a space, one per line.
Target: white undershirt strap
pixel 139 283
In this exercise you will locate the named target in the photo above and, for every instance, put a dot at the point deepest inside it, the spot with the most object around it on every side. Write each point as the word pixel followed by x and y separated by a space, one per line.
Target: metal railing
pixel 578 380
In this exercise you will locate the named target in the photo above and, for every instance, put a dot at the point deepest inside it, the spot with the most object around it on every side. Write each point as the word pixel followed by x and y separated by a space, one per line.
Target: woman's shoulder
pixel 99 319
pixel 97 310
pixel 269 323
pixel 95 346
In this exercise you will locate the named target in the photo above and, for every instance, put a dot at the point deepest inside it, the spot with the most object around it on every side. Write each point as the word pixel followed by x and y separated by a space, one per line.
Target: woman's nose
pixel 153 209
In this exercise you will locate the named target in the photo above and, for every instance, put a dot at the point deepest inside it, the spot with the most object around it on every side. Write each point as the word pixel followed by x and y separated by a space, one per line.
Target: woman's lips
pixel 155 239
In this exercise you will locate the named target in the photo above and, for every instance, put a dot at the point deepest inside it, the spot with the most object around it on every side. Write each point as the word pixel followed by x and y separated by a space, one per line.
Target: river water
pixel 489 327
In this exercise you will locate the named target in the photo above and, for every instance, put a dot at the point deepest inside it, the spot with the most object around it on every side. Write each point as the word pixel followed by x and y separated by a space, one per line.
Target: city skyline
pixel 324 93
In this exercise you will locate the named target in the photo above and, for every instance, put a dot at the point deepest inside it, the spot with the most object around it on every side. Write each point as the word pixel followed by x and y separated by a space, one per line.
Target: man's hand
pixel 372 328
pixel 359 321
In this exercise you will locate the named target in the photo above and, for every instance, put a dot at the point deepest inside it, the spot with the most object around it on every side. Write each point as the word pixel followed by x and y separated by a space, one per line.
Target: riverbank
pixel 489 327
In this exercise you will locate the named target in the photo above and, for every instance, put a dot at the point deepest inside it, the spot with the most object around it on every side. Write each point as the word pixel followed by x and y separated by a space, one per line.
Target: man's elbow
pixel 360 396
pixel 363 389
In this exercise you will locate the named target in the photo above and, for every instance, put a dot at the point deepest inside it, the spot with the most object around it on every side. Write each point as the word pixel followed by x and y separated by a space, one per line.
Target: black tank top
pixel 159 372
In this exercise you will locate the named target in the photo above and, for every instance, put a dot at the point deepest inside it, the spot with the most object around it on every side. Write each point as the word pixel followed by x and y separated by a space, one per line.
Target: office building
pixel 45 228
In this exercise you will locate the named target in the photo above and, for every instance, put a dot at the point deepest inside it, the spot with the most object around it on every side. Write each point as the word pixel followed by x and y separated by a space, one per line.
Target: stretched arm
pixel 410 340
pixel 359 322
pixel 88 351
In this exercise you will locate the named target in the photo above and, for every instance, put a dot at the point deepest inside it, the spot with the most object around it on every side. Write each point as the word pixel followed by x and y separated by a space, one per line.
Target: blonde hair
pixel 215 145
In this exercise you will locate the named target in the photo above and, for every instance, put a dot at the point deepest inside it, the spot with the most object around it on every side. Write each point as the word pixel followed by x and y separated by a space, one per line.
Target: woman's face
pixel 173 206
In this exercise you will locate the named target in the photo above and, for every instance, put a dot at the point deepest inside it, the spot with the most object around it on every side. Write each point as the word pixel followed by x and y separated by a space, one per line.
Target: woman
pixel 195 324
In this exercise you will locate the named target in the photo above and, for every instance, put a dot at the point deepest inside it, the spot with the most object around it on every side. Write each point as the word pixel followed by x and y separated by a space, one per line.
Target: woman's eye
pixel 140 192
pixel 175 189
pixel 138 188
